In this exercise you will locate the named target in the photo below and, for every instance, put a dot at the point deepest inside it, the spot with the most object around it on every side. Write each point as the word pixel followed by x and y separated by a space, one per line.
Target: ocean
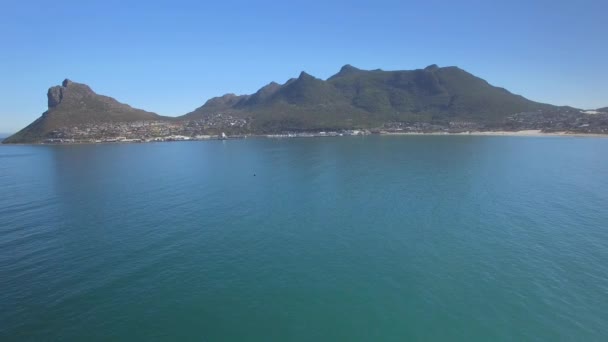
pixel 377 238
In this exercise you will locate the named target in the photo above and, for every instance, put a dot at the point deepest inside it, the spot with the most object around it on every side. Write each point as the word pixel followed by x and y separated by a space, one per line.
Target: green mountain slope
pixel 351 99
pixel 355 98
pixel 73 104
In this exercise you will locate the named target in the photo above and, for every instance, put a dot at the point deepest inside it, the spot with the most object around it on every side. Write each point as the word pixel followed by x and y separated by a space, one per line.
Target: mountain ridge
pixel 357 98
pixel 352 98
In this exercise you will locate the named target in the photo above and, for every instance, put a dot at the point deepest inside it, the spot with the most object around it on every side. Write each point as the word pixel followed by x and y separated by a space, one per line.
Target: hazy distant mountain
pixel 72 104
pixel 604 110
pixel 360 98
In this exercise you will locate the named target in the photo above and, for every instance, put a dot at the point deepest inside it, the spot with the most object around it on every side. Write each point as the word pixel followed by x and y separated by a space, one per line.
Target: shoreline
pixel 523 133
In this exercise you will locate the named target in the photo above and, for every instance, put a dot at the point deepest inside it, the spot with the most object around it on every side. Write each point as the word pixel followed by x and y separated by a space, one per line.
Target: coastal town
pixel 217 126
pixel 223 126
pixel 149 131
pixel 566 120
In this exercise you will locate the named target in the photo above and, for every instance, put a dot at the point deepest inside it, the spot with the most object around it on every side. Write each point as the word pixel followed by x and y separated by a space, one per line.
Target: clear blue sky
pixel 171 56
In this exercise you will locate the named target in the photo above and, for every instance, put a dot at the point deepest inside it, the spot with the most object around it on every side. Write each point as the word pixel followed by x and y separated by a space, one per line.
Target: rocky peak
pixel 68 89
pixel 305 76
pixel 269 89
pixel 55 95
pixel 432 67
pixel 348 68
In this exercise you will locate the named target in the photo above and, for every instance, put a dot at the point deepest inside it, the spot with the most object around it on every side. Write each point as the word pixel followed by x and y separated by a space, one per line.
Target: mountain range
pixel 355 98
pixel 351 99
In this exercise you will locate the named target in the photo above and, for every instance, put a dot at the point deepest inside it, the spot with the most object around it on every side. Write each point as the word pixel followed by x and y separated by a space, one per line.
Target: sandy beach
pixel 525 133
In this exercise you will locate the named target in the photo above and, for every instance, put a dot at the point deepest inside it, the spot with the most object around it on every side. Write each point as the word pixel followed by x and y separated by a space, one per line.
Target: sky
pixel 170 57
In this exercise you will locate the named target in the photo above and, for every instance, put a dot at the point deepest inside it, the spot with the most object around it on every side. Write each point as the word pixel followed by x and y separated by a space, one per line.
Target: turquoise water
pixel 329 239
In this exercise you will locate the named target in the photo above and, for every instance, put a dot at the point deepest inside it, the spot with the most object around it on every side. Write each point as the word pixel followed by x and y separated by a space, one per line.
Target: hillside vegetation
pixel 355 98
pixel 351 99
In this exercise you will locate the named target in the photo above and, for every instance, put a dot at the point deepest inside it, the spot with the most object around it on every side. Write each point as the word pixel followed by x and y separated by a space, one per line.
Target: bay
pixel 376 238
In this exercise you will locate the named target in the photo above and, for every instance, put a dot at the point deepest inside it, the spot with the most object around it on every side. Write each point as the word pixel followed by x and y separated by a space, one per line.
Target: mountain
pixel 301 103
pixel 72 104
pixel 355 98
pixel 603 110
pixel 430 99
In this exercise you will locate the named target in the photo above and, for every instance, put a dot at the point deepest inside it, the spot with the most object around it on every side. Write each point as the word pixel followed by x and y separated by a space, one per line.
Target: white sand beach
pixel 524 133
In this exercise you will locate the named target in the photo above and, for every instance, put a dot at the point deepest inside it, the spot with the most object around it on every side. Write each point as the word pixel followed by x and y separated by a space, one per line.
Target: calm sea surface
pixel 328 239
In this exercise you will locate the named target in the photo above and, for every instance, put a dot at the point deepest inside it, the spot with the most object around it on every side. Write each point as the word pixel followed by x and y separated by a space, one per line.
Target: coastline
pixel 523 133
